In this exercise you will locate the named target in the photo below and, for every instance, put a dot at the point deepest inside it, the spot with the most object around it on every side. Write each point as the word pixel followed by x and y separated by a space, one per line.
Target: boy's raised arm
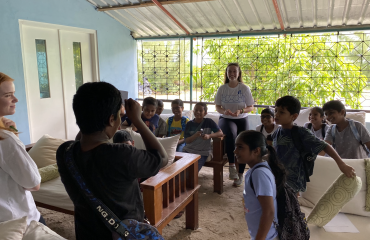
pixel 346 169
pixel 133 111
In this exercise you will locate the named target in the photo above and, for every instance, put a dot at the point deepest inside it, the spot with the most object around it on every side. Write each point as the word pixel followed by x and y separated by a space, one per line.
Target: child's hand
pixel 347 170
pixel 133 128
pixel 206 136
pixel 198 134
pixel 133 110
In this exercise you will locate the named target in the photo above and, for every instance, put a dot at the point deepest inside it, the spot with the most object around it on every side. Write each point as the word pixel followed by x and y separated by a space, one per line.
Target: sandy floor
pixel 220 216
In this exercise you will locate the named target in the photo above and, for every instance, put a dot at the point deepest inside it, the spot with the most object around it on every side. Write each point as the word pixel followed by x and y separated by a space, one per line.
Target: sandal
pixel 179 215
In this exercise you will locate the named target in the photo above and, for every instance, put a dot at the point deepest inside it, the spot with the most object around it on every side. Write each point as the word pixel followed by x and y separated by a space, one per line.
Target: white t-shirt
pixel 258 129
pixel 234 99
pixel 17 171
pixel 317 133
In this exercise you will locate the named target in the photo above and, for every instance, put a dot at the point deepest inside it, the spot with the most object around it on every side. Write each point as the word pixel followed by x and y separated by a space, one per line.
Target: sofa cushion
pixel 303 117
pixel 13 229
pixel 49 172
pixel 38 231
pixel 44 151
pixel 357 116
pixel 325 173
pixel 215 116
pixel 169 144
pixel 338 194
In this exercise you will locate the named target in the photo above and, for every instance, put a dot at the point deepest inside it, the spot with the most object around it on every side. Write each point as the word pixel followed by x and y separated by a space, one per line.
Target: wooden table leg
pixel 218 179
pixel 192 218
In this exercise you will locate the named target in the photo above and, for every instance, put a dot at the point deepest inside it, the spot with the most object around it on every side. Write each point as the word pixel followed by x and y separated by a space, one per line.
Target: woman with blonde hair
pixel 233 101
pixel 18 172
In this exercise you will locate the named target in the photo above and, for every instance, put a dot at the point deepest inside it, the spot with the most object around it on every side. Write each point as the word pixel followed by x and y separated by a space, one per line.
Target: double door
pixel 57 61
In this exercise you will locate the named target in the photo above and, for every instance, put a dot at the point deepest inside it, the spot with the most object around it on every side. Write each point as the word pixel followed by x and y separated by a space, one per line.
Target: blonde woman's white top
pixel 17 171
pixel 234 99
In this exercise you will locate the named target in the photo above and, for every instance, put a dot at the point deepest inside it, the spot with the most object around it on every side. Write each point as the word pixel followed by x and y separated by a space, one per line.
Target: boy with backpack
pixel 317 123
pixel 297 147
pixel 177 123
pixel 268 126
pixel 349 138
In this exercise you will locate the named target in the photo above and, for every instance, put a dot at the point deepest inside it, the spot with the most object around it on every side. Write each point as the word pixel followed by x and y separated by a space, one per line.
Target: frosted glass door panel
pixel 77 69
pixel 45 101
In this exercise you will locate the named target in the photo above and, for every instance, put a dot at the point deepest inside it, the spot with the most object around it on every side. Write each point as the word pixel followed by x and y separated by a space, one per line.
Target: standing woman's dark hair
pixel 226 79
pixel 255 140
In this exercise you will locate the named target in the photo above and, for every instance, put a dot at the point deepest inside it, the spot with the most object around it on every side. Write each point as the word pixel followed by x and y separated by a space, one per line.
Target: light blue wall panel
pixel 116 48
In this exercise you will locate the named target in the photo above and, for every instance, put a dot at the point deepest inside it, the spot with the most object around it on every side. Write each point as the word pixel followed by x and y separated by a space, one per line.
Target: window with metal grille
pixel 315 68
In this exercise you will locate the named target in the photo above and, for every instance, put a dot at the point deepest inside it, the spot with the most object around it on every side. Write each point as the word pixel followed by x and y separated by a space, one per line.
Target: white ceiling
pixel 222 17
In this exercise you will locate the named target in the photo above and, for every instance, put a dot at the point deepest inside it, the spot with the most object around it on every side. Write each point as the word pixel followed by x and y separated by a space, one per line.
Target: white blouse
pixel 17 171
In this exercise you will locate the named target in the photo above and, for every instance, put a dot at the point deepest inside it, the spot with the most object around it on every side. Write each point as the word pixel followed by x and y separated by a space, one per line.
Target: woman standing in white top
pixel 18 172
pixel 233 101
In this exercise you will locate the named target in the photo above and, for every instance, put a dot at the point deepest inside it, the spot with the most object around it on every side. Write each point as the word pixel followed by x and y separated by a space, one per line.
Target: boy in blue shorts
pixel 286 112
pixel 198 134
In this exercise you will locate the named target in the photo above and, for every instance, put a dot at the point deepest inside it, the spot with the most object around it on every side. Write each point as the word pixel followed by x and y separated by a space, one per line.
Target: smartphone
pixel 202 132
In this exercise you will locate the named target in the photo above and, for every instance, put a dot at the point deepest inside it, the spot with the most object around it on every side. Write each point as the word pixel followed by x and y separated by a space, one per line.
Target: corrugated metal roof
pixel 223 17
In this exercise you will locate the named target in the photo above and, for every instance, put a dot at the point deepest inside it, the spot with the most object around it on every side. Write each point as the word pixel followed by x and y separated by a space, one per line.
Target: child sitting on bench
pixel 198 134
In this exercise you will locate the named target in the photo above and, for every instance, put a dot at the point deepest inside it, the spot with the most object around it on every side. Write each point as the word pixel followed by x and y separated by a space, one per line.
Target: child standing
pixel 316 123
pixel 286 112
pixel 342 136
pixel 268 126
pixel 148 115
pixel 161 130
pixel 260 205
pixel 198 134
pixel 177 123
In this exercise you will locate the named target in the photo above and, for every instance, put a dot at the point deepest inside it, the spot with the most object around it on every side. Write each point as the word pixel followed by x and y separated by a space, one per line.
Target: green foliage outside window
pixel 314 68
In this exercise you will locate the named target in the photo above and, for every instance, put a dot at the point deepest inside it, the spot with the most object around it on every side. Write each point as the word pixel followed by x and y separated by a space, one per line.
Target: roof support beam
pixel 148 4
pixel 299 12
pixel 270 14
pixel 242 14
pixel 254 10
pixel 277 10
pixel 158 4
pixel 228 14
pixel 347 8
pixel 363 11
pixel 314 13
pixel 330 13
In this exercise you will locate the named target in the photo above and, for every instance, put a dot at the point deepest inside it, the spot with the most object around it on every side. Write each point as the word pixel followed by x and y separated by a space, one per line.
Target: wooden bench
pixel 165 194
pixel 217 163
pixel 171 190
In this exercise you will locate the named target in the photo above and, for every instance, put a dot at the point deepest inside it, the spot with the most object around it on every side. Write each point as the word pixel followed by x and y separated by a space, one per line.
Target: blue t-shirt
pixel 199 145
pixel 151 123
pixel 289 155
pixel 264 185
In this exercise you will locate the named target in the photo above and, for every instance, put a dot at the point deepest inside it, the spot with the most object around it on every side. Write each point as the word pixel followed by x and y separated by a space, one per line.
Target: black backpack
pixel 308 157
pixel 323 126
pixel 292 223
